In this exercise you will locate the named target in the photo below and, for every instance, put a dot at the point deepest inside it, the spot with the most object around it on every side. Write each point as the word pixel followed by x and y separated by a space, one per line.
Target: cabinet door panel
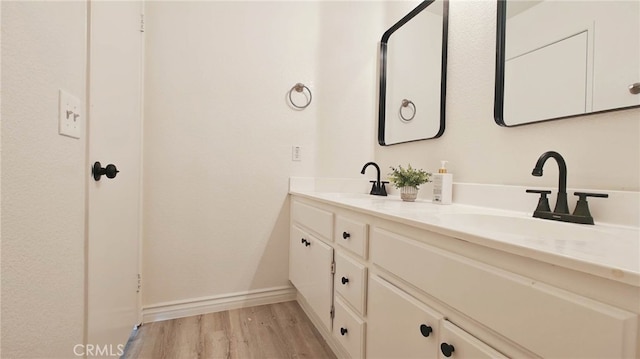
pixel 297 257
pixel 394 324
pixel 310 272
pixel 464 344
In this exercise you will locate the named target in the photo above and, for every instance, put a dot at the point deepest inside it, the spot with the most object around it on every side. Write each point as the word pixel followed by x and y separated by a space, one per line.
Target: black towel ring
pixel 407 103
pixel 300 88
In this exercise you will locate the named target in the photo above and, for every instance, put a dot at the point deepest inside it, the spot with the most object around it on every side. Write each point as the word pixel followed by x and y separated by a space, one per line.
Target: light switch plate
pixel 296 153
pixel 69 119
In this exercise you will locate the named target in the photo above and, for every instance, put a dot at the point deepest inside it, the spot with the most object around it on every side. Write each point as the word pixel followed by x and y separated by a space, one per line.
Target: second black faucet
pixel 561 212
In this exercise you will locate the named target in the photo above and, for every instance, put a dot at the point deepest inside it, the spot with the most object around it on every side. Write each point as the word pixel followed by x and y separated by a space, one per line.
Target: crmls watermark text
pixel 96 350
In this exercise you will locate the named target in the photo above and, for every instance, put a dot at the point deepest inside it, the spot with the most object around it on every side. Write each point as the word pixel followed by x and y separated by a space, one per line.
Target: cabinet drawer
pixel 348 328
pixel 352 235
pixel 398 325
pixel 350 281
pixel 548 321
pixel 456 343
pixel 315 219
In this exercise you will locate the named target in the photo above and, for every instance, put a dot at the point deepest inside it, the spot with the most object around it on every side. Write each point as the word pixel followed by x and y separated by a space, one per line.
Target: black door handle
pixel 97 170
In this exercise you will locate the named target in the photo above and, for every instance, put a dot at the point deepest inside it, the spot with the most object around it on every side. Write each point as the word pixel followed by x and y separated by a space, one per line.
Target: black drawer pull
pixel 346 235
pixel 425 330
pixel 343 331
pixel 447 349
pixel 345 280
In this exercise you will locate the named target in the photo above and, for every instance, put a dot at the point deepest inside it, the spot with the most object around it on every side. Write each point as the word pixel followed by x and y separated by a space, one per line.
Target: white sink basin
pixel 531 228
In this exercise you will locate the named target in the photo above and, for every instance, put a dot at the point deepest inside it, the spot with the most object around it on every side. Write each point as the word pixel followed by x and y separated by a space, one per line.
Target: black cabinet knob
pixel 303 240
pixel 307 243
pixel 345 235
pixel 447 349
pixel 425 330
pixel 343 331
pixel 97 171
pixel 345 280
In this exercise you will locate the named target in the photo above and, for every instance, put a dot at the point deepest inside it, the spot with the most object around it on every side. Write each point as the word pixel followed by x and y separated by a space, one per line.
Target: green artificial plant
pixel 408 177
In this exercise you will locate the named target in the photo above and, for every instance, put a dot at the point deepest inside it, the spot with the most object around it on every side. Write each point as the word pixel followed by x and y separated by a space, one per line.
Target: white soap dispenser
pixel 442 185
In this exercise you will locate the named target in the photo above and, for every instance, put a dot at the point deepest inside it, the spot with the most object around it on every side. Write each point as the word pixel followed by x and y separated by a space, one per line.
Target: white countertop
pixel 607 251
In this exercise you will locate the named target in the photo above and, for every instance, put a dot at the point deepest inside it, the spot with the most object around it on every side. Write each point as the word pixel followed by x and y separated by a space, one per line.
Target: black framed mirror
pixel 413 69
pixel 558 59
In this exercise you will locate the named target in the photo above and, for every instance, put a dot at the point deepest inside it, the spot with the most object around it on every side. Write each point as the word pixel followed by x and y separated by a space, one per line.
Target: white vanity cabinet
pixel 404 291
pixel 546 320
pixel 311 259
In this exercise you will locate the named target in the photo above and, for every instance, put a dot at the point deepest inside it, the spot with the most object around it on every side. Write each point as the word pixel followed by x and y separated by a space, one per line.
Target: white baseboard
pixel 199 306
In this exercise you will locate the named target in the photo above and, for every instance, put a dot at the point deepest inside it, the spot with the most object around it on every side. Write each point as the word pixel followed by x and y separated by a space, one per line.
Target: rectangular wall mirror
pixel 413 65
pixel 558 59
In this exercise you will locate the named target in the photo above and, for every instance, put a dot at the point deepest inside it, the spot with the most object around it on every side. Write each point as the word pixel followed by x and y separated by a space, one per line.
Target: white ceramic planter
pixel 408 194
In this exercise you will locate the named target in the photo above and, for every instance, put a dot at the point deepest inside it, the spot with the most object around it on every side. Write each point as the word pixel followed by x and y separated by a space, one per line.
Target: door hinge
pixel 141 22
pixel 333 267
pixel 332 312
pixel 139 283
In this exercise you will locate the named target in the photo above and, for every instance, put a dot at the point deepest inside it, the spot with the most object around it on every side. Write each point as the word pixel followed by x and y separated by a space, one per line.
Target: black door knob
pixel 307 243
pixel 343 331
pixel 447 349
pixel 345 280
pixel 425 330
pixel 346 235
pixel 97 170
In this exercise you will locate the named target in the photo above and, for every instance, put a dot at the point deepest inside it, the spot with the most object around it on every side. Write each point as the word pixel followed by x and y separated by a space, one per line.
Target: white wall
pixel 43 180
pixel 218 137
pixel 347 50
pixel 602 151
pixel 218 133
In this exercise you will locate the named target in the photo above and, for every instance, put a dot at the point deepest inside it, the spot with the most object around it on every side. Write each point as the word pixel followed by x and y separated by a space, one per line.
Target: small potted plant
pixel 407 180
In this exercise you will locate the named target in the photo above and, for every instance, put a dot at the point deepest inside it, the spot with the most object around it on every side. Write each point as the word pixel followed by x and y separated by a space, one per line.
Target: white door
pixel 115 129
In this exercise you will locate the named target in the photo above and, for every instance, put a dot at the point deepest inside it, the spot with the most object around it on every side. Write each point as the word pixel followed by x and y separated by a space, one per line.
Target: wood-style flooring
pixel 279 330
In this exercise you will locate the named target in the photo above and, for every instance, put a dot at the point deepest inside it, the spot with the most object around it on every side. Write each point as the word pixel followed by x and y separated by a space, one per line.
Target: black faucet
pixel 561 202
pixel 377 189
pixel 581 213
